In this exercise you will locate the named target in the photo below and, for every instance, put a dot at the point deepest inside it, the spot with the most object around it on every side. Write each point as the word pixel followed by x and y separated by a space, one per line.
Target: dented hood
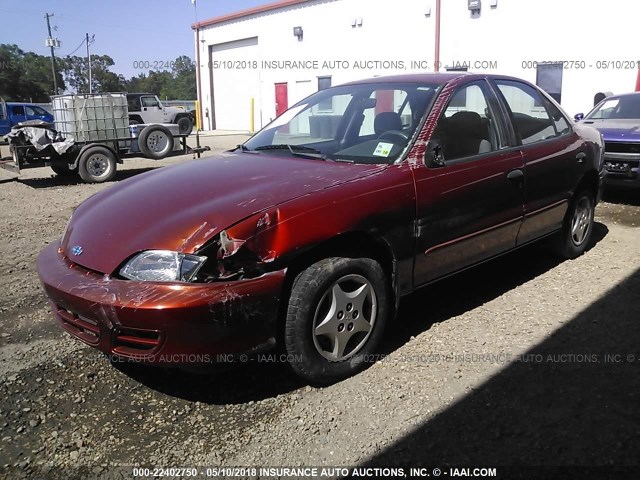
pixel 181 207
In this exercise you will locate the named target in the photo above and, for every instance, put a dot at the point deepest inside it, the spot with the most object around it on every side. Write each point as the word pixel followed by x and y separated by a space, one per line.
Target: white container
pixel 91 117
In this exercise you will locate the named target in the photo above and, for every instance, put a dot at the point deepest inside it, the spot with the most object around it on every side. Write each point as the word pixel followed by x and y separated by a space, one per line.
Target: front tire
pixel 578 226
pixel 185 125
pixel 336 317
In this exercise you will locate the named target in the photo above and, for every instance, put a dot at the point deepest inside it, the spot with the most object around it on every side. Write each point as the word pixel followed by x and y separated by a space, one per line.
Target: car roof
pixel 622 95
pixel 22 103
pixel 433 78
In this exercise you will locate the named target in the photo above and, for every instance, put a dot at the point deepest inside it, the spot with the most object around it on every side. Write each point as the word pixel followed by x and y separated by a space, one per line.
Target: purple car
pixel 618 119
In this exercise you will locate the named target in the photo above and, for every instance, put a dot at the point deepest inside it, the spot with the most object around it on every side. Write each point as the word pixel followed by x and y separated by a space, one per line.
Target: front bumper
pixel 161 323
pixel 623 170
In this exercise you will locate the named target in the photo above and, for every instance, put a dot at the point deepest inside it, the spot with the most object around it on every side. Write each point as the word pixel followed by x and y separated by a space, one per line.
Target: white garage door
pixel 234 83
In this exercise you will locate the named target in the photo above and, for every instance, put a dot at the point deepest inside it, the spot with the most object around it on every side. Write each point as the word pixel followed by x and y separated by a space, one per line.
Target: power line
pixel 77 48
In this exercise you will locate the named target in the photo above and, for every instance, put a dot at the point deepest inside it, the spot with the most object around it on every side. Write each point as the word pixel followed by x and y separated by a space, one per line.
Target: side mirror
pixel 578 117
pixel 433 156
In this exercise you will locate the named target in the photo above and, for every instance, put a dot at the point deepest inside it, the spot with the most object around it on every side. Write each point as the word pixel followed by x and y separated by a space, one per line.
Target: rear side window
pixel 531 121
pixel 17 110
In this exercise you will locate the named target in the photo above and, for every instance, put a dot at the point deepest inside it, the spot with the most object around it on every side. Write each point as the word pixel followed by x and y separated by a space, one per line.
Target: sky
pixel 134 33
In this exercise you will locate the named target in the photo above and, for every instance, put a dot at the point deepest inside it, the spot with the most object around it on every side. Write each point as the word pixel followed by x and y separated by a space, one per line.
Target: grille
pixel 615 147
pixel 82 327
pixel 135 342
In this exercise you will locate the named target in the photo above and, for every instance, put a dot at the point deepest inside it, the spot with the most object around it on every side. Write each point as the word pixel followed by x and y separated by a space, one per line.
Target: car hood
pixel 617 130
pixel 183 206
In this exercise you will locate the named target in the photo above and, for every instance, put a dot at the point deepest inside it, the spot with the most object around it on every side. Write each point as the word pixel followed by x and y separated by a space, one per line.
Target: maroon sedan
pixel 311 232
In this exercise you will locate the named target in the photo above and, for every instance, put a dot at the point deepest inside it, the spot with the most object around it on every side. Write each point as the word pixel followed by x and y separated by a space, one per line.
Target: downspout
pixel 436 60
pixel 198 81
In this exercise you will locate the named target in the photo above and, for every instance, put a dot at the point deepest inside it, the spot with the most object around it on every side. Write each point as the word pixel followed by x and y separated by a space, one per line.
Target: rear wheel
pixel 577 229
pixel 63 170
pixel 336 317
pixel 97 164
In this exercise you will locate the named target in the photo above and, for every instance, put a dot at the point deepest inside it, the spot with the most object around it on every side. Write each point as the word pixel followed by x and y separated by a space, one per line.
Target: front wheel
pixel 336 317
pixel 577 229
pixel 185 125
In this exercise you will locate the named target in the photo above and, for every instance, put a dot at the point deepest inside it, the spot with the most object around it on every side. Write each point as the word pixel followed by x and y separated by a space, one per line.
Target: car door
pixel 152 110
pixel 469 191
pixel 17 114
pixel 550 149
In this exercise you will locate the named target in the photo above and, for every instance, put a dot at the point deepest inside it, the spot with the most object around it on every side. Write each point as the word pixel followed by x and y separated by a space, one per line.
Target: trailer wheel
pixel 63 170
pixel 97 164
pixel 156 142
pixel 185 125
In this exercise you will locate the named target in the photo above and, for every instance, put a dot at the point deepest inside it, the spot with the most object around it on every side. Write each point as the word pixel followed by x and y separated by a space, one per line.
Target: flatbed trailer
pixel 89 137
pixel 95 161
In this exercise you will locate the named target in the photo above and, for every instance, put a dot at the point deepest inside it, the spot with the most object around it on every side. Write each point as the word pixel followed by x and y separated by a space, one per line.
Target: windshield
pixel 364 123
pixel 627 107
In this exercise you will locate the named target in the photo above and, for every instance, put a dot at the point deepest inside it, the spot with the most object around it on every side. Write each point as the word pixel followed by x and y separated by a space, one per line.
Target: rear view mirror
pixel 578 117
pixel 368 103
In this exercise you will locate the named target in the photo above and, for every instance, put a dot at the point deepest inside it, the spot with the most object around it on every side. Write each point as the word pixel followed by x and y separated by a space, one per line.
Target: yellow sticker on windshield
pixel 383 149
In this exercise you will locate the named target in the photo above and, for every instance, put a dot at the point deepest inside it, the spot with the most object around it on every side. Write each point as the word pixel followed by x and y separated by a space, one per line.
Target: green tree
pixel 26 76
pixel 184 72
pixel 76 71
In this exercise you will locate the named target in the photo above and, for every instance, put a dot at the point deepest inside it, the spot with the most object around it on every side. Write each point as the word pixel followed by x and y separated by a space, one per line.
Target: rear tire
pixel 336 317
pixel 155 142
pixel 185 125
pixel 97 164
pixel 577 228
pixel 63 170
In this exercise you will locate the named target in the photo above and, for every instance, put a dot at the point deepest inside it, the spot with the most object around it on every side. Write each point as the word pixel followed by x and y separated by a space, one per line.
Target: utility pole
pixel 51 44
pixel 89 62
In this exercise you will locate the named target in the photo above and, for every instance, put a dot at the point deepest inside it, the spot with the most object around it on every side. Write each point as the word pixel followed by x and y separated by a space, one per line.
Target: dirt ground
pixel 524 361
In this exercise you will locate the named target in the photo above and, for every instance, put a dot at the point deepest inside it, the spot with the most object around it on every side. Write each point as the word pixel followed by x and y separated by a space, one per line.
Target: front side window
pixel 468 126
pixel 35 111
pixel 367 123
pixel 531 121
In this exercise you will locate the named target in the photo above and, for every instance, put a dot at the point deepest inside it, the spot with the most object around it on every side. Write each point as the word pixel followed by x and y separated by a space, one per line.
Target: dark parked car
pixel 618 119
pixel 311 232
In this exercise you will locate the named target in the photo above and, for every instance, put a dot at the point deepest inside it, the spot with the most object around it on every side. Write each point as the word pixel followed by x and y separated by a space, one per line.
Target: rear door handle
pixel 516 175
pixel 581 157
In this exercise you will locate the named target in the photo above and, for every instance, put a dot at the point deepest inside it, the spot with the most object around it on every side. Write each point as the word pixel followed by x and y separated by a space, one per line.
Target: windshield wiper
pixel 242 148
pixel 297 150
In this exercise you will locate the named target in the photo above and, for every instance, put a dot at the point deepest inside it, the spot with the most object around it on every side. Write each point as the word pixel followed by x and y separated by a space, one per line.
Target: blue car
pixel 12 113
pixel 618 119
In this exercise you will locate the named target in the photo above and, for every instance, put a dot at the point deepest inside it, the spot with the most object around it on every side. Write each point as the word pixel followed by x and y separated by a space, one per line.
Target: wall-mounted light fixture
pixel 493 3
pixel 475 7
pixel 427 11
pixel 297 32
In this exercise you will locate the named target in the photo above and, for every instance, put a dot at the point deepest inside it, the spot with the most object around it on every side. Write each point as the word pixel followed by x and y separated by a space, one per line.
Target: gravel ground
pixel 524 361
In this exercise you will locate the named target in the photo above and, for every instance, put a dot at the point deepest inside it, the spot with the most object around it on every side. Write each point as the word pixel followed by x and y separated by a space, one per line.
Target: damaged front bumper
pixel 161 323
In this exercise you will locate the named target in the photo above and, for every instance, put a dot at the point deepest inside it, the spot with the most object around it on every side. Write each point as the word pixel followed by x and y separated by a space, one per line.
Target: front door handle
pixel 516 175
pixel 581 157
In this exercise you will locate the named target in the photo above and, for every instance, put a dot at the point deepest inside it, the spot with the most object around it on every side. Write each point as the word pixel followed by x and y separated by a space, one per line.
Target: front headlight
pixel 162 266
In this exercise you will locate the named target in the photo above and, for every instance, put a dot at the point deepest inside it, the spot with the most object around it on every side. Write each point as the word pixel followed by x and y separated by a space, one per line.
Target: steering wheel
pixel 394 133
